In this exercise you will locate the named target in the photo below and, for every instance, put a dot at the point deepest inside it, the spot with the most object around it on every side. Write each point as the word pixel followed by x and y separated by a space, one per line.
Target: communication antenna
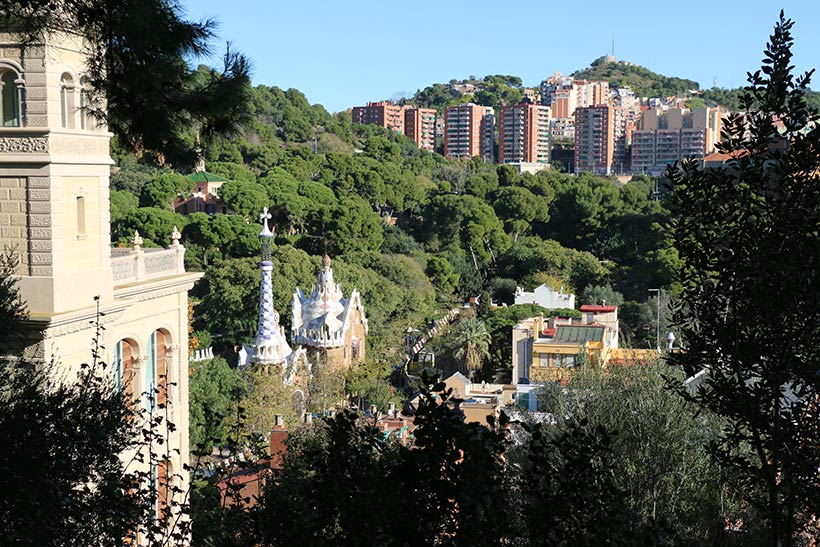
pixel 613 45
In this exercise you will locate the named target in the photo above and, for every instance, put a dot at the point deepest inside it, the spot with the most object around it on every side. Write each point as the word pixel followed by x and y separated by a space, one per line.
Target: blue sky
pixel 342 54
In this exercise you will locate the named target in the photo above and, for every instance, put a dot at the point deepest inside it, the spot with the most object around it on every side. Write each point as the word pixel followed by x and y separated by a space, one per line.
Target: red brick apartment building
pixel 469 131
pixel 524 133
pixel 383 113
pixel 594 139
pixel 420 125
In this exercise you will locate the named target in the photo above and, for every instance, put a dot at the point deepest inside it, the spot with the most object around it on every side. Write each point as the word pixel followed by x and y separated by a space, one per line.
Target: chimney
pixel 278 442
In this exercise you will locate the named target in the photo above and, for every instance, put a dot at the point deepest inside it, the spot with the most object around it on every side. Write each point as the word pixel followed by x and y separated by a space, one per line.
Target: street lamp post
pixel 658 321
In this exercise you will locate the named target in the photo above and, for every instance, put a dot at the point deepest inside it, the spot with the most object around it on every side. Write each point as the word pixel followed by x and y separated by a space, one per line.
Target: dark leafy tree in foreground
pixel 80 465
pixel 12 309
pixel 568 487
pixel 749 311
pixel 345 483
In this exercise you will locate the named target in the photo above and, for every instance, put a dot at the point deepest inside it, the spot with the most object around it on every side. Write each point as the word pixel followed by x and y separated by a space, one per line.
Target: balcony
pixel 135 264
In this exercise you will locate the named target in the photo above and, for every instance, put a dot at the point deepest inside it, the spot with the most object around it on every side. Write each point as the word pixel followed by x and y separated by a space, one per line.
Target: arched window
pixel 67 101
pixel 10 103
pixel 125 352
pixel 85 116
pixel 163 341
pixel 155 373
pixel 150 374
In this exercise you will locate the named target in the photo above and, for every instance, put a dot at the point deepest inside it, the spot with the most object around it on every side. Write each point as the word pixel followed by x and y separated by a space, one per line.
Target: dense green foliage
pixel 750 306
pixel 623 463
pixel 672 492
pixel 213 394
pixel 643 81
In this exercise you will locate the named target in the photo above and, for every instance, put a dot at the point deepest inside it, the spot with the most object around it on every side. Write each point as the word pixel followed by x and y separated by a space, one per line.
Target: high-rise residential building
pixel 420 125
pixel 383 113
pixel 469 131
pixel 487 132
pixel 564 95
pixel 524 133
pixel 591 93
pixel 674 135
pixel 620 133
pixel 594 139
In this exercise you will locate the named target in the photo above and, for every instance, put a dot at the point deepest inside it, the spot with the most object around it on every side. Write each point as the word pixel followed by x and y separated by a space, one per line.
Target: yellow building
pixel 547 349
pixel 54 214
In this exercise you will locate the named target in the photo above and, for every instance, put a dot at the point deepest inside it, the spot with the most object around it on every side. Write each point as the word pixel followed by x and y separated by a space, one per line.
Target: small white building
pixel 545 297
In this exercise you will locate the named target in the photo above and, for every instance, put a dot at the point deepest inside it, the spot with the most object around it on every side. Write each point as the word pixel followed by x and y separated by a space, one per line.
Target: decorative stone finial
pixel 136 240
pixel 264 216
pixel 175 235
pixel 326 261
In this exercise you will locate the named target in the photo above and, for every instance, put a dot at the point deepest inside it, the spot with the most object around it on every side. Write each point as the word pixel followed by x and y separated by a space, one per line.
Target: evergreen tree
pixel 140 81
pixel 749 311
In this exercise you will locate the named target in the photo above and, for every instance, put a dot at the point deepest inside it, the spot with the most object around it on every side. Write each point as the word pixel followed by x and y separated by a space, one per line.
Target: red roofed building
pixel 606 316
pixel 204 197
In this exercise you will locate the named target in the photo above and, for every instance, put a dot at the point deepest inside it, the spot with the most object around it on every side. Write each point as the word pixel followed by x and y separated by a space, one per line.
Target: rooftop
pixel 598 309
pixel 204 176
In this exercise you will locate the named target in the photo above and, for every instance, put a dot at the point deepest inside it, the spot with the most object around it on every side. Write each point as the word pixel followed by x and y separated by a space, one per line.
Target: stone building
pixel 54 215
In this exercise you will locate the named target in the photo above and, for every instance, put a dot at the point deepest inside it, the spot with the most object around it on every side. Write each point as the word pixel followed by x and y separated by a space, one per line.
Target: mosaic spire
pixel 270 346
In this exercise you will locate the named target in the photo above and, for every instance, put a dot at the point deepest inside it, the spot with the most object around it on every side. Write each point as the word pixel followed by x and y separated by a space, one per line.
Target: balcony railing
pixel 135 264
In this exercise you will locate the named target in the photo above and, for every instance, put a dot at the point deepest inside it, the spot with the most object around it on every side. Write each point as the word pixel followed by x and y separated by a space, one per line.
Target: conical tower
pixel 270 346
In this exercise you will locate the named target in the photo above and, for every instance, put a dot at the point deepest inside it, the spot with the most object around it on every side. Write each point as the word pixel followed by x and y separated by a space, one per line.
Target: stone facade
pixel 54 214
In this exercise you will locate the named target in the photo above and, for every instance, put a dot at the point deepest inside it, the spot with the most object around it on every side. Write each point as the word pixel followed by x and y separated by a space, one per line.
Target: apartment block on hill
pixel 674 135
pixel 594 139
pixel 382 113
pixel 420 125
pixel 524 133
pixel 469 131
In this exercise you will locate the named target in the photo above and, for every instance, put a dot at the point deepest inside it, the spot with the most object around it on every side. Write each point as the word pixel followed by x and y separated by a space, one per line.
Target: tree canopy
pixel 749 310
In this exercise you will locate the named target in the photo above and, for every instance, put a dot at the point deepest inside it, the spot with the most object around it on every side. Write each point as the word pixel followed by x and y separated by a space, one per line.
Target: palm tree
pixel 472 343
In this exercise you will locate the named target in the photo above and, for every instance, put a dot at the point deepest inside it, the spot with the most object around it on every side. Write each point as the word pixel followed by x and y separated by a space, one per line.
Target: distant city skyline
pixel 343 54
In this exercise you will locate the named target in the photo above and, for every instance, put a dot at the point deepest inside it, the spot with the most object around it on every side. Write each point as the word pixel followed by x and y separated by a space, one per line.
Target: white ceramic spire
pixel 270 345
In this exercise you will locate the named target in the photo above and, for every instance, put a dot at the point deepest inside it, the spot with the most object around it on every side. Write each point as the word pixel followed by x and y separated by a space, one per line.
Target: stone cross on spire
pixel 264 216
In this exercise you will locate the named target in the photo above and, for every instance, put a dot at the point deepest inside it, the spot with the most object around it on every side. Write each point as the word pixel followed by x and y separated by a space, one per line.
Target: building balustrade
pixel 135 264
